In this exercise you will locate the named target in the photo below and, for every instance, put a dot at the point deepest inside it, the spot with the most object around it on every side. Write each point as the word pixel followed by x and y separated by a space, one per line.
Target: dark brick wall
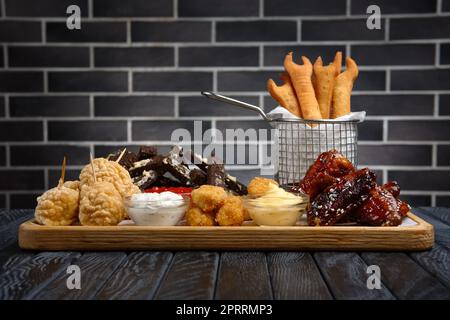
pixel 134 71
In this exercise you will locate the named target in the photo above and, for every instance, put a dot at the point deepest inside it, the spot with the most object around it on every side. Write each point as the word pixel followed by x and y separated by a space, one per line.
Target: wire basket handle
pixel 235 102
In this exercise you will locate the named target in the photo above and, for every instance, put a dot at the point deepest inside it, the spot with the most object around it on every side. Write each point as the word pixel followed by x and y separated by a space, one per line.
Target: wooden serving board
pixel 417 237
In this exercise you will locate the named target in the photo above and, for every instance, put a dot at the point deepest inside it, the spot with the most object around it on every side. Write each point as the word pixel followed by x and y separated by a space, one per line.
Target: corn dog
pixel 343 89
pixel 285 94
pixel 301 80
pixel 323 81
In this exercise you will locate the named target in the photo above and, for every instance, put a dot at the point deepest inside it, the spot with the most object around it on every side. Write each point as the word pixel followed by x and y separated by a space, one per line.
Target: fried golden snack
pixel 285 94
pixel 209 198
pixel 301 80
pixel 101 205
pixel 109 171
pixel 259 186
pixel 232 212
pixel 57 206
pixel 338 62
pixel 343 89
pixel 75 185
pixel 323 80
pixel 196 217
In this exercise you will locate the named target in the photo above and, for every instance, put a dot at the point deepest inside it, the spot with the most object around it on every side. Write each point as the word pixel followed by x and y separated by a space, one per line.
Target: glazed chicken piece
pixel 382 208
pixel 325 171
pixel 341 198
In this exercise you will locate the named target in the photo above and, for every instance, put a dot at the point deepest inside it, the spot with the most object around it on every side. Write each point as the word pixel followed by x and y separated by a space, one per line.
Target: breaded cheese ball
pixel 57 207
pixel 259 186
pixel 232 212
pixel 196 217
pixel 75 185
pixel 209 198
pixel 112 172
pixel 101 205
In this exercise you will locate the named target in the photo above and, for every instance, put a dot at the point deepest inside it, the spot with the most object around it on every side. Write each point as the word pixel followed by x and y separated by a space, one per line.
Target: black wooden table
pixel 224 275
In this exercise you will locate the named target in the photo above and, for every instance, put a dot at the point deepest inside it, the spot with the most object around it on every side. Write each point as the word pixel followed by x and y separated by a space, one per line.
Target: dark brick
pixel 445 53
pixel 218 8
pixel 256 31
pixel 370 80
pixel 395 6
pixel 202 107
pixel 233 154
pixel 89 32
pixel 249 125
pixel 105 150
pixel 48 155
pixel 23 200
pixel 43 8
pixel 135 8
pixel 49 106
pixel 445 5
pixel 20 31
pixel 420 28
pixel 339 30
pixel 2 201
pixel 172 81
pixel 443 201
pixel 395 155
pixel 2 156
pixel 54 175
pixel 443 155
pixel 2 106
pixel 244 80
pixel 11 179
pixel 178 31
pixel 436 79
pixel 444 104
pixel 419 130
pixel 134 57
pixel 90 81
pixel 303 7
pixel 87 130
pixel 21 131
pixel 21 81
pixel 393 105
pixel 134 106
pixel 163 129
pixel 370 130
pixel 2 58
pixel 218 56
pixel 393 54
pixel 274 55
pixel 421 180
pixel 48 56
pixel 416 200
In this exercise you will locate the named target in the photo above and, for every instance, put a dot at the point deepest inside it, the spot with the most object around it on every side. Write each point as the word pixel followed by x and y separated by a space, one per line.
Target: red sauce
pixel 177 190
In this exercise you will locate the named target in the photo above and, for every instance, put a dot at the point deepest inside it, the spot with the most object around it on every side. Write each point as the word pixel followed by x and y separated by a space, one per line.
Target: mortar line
pixel 90 9
pixel 387 27
pixel 437 54
pixel 7 107
pixel 439 6
pixel 348 6
pixel 436 105
pixel 5 56
pixel 434 155
pixel 261 8
pixel 3 6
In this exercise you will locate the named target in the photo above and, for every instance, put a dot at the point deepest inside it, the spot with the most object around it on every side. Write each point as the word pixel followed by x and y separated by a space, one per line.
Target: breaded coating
pixel 259 186
pixel 232 212
pixel 75 185
pixel 196 217
pixel 101 205
pixel 57 207
pixel 112 172
pixel 209 198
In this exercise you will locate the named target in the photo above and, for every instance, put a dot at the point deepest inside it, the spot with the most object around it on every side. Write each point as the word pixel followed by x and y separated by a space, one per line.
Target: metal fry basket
pixel 299 142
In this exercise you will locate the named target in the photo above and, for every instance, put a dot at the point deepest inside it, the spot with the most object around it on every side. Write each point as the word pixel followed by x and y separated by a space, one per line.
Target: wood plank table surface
pixel 225 275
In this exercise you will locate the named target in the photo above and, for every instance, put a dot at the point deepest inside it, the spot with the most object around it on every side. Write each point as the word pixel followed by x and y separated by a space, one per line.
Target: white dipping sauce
pixel 156 209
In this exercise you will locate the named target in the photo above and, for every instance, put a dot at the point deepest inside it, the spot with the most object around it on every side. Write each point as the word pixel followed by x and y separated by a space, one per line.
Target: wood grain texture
pixel 9 231
pixel 436 261
pixel 294 275
pixel 345 274
pixel 138 277
pixel 33 273
pixel 8 216
pixel 439 213
pixel 96 268
pixel 243 275
pixel 441 230
pixel 405 278
pixel 192 276
pixel 37 237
